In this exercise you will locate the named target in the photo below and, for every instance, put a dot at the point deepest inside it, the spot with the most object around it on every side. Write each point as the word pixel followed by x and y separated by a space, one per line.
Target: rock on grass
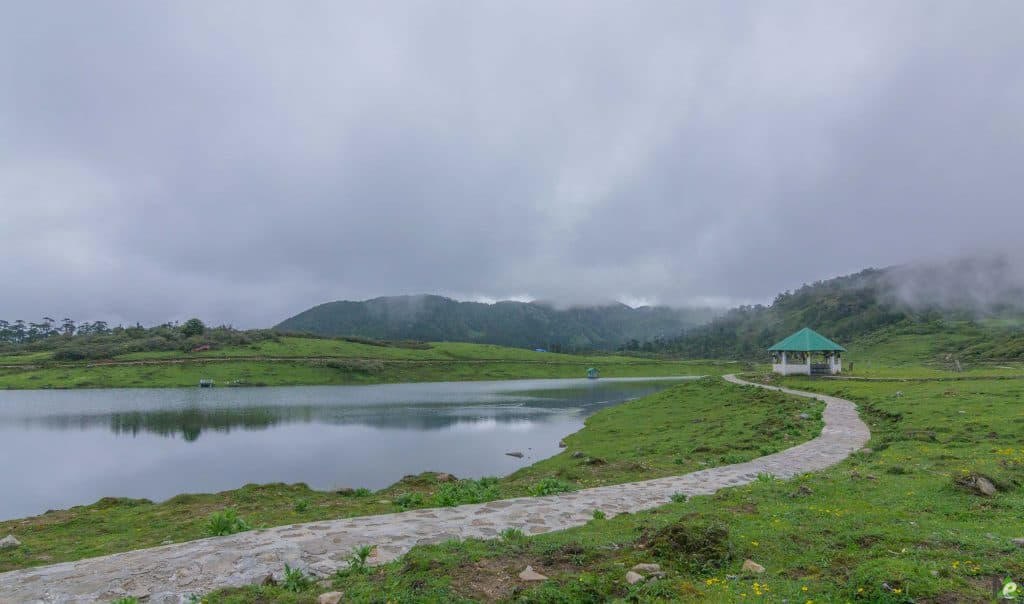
pixel 977 484
pixel 529 574
pixel 9 542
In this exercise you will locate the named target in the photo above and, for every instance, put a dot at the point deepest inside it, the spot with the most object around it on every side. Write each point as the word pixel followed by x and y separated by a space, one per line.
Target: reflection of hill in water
pixel 191 422
pixel 533 406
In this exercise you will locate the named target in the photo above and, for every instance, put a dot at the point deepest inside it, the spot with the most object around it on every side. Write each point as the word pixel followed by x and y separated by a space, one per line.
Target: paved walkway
pixel 169 574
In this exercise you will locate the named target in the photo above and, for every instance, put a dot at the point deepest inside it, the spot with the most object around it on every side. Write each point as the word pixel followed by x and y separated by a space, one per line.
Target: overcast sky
pixel 242 161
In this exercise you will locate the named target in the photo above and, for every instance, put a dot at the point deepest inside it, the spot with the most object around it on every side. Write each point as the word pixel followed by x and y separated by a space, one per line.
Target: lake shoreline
pixel 593 456
pixel 156 443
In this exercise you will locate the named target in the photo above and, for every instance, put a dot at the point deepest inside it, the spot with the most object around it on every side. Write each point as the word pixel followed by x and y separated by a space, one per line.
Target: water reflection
pixel 76 446
pixel 196 411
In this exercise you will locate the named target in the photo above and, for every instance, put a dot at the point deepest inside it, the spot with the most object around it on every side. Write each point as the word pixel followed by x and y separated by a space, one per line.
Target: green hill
pixel 966 310
pixel 520 324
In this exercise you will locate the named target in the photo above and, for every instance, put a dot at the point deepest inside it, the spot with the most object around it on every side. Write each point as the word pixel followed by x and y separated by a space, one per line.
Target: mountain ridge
pixel 431 317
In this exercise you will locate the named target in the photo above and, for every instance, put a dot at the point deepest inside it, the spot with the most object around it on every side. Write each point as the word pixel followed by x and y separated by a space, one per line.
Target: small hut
pixel 807 352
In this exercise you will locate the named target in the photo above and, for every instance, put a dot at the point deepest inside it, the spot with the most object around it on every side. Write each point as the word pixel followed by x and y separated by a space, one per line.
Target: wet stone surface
pixel 172 573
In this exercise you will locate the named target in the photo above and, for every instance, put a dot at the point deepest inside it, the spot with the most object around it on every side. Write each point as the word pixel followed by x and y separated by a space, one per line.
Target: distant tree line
pixel 21 332
pixel 71 341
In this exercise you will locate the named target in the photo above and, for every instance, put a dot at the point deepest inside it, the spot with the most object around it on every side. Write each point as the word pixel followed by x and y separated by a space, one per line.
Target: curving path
pixel 171 573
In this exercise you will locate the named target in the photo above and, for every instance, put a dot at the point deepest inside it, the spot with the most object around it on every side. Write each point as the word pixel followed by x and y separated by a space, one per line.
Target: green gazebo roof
pixel 806 340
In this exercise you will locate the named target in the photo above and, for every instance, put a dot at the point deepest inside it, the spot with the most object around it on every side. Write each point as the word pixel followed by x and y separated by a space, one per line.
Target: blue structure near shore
pixel 592 373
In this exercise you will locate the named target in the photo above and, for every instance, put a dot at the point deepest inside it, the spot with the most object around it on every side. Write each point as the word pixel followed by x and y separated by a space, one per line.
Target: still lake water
pixel 60 448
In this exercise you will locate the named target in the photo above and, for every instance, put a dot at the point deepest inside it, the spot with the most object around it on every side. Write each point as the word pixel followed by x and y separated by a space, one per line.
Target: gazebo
pixel 794 355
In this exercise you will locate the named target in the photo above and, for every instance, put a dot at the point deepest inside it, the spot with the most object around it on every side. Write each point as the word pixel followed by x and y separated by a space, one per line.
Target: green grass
pixel 931 351
pixel 684 428
pixel 890 525
pixel 307 361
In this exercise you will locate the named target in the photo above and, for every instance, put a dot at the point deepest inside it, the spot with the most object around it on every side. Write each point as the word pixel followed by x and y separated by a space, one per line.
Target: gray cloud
pixel 242 161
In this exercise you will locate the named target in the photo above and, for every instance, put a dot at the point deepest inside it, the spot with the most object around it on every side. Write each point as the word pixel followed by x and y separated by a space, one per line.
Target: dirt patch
pixel 489 580
pixel 867 540
pixel 747 508
pixel 497 579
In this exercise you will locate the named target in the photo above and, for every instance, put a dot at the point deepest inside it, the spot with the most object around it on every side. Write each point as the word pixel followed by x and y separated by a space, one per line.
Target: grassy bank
pixel 687 427
pixel 896 524
pixel 306 361
pixel 933 352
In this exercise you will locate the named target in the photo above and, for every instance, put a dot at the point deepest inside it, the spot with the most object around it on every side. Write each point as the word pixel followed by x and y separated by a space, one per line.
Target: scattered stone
pixel 384 502
pixel 633 578
pixel 445 477
pixel 986 487
pixel 167 542
pixel 749 566
pixel 805 416
pixel 899 394
pixel 935 573
pixel 977 484
pixel 346 491
pixel 867 450
pixel 9 542
pixel 331 597
pixel 732 577
pixel 870 477
pixel 1019 541
pixel 516 454
pixel 268 581
pixel 561 444
pixel 529 574
pixel 647 568
pixel 576 454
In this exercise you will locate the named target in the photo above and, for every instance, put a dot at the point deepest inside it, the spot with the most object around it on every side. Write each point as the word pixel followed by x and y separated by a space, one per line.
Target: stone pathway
pixel 169 574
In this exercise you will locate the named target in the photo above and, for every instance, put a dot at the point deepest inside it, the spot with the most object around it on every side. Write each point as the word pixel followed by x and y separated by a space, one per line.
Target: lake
pixel 62 448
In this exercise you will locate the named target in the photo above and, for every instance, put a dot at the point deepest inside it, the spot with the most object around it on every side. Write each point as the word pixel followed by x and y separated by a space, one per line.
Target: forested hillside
pixel 522 324
pixel 970 308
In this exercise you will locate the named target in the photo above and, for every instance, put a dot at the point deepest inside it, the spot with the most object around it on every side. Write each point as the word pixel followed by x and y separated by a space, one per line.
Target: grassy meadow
pixel 291 361
pixel 893 524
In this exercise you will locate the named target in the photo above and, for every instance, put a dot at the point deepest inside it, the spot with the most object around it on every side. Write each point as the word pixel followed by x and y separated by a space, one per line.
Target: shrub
pixel 357 561
pixel 697 546
pixel 295 580
pixel 549 486
pixel 224 523
pixel 599 515
pixel 362 492
pixel 679 497
pixel 408 500
pixel 301 506
pixel 512 534
pixel 466 491
pixel 193 327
